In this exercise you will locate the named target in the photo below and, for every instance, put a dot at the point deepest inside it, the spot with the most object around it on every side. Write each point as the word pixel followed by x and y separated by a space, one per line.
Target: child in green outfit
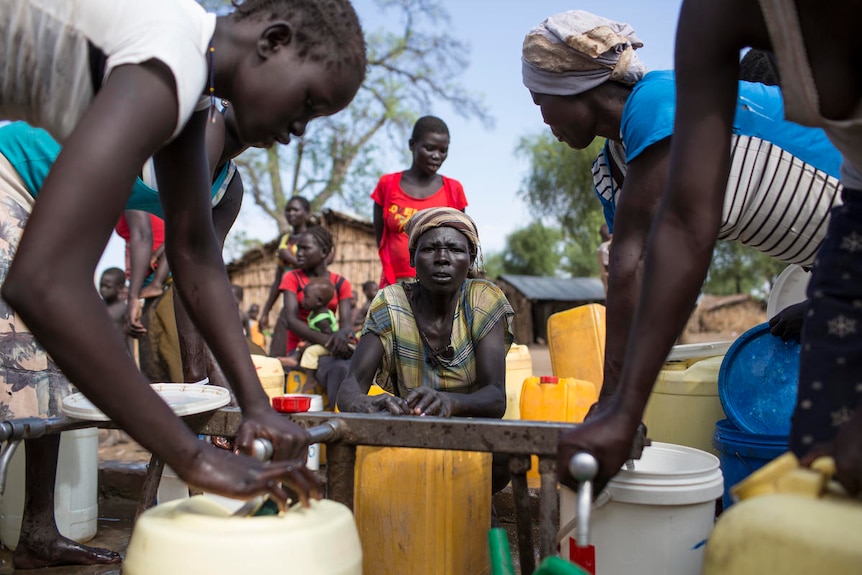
pixel 316 297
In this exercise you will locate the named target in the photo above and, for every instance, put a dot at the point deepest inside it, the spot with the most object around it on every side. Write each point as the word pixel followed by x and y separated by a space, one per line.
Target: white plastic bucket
pixel 313 461
pixel 76 492
pixel 171 487
pixel 655 519
pixel 197 536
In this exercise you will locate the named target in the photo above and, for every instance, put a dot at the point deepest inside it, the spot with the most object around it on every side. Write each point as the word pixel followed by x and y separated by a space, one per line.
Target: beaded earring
pixel 213 109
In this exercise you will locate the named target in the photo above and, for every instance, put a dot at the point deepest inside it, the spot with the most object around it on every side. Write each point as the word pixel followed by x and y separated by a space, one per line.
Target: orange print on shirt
pixel 401 215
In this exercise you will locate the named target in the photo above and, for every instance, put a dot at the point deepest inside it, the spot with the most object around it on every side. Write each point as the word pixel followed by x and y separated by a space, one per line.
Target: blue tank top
pixel 650 109
pixel 32 151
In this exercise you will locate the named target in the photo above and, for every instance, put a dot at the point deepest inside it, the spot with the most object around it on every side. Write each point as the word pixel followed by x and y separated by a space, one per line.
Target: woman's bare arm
pixel 78 206
pixel 353 393
pixel 378 223
pixel 636 207
pixel 195 356
pixel 684 232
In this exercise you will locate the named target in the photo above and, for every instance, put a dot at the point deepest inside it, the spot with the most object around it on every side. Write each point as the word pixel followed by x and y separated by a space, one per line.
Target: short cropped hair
pixel 323 288
pixel 428 124
pixel 326 31
pixel 116 274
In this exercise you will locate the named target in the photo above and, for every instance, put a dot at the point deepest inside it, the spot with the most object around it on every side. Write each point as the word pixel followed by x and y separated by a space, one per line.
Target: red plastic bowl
pixel 291 403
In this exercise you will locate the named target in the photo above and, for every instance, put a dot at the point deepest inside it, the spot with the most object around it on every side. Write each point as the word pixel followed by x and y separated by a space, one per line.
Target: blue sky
pixel 484 160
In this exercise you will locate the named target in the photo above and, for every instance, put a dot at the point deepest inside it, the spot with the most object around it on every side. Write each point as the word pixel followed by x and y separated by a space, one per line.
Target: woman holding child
pixel 297 212
pixel 312 248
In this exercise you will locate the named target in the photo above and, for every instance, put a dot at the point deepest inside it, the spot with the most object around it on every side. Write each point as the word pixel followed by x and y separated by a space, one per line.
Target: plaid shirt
pixel 405 360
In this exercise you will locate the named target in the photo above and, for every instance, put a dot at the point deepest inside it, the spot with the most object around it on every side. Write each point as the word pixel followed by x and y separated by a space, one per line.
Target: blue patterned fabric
pixel 830 374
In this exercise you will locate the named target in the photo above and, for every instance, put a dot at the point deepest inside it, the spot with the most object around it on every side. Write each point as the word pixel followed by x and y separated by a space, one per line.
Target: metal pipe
pixel 340 472
pixel 13 431
pixel 326 432
pixel 549 507
pixel 518 467
pixel 467 434
pixel 36 427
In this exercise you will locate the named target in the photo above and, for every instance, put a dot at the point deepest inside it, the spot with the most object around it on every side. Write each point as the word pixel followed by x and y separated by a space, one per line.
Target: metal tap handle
pixel 262 448
pixel 583 467
pixel 324 432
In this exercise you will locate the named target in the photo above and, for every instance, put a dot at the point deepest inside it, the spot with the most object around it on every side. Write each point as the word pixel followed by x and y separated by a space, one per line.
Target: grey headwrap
pixel 575 51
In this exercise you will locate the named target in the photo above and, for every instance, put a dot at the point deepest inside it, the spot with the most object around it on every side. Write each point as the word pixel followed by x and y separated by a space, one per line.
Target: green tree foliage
pixel 410 70
pixel 740 269
pixel 494 266
pixel 539 250
pixel 533 250
pixel 559 188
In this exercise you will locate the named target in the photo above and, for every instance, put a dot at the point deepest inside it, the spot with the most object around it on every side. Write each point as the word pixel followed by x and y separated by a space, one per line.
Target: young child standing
pixel 118 82
pixel 316 298
pixel 110 288
pixel 113 289
pixel 369 289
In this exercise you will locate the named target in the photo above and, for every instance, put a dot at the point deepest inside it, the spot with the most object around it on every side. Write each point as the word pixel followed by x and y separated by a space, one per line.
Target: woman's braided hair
pixel 325 31
pixel 321 236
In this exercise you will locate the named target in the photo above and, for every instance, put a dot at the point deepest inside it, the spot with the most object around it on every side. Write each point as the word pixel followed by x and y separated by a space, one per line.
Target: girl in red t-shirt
pixel 400 195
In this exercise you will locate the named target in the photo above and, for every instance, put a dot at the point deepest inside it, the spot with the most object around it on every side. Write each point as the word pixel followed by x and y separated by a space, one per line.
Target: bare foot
pixel 151 291
pixel 51 552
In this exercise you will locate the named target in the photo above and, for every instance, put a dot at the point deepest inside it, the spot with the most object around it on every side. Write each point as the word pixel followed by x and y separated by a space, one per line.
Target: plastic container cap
pixel 758 380
pixel 291 403
pixel 549 379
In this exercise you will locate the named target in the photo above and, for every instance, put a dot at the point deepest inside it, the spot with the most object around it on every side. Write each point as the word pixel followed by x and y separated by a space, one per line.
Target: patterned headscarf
pixel 432 218
pixel 575 51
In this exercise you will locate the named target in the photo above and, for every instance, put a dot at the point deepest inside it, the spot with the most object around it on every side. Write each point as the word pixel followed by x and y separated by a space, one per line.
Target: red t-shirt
pixel 122 229
pixel 398 208
pixel 295 281
pixel 156 222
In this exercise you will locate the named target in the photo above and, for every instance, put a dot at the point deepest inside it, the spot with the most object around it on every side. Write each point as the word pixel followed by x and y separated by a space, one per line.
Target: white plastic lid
pixel 688 351
pixel 668 474
pixel 789 289
pixel 183 398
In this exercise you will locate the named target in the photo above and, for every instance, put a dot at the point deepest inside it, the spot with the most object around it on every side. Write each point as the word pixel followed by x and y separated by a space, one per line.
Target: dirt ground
pixel 126 449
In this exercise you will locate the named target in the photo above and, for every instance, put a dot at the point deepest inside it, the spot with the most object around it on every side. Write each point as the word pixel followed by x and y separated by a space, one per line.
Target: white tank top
pixel 45 75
